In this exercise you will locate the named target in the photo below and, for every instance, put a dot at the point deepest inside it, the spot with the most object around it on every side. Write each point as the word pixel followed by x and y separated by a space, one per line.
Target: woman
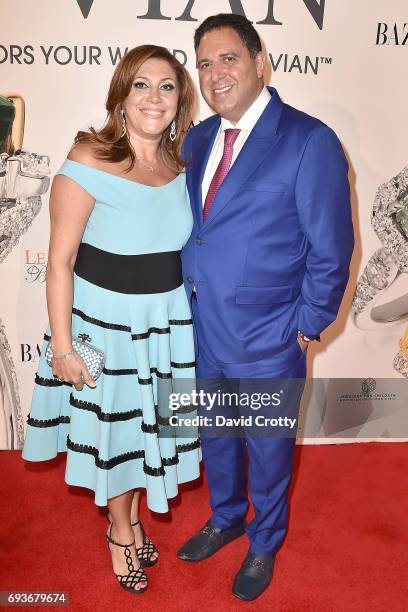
pixel 119 217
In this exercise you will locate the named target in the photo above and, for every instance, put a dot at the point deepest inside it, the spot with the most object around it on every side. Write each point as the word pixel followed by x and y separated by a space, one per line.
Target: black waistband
pixel 149 273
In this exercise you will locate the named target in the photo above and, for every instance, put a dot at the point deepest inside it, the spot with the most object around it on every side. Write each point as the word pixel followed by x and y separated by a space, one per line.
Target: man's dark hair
pixel 242 26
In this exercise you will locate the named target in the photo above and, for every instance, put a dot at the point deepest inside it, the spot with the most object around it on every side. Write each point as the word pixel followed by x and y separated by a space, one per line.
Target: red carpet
pixel 347 547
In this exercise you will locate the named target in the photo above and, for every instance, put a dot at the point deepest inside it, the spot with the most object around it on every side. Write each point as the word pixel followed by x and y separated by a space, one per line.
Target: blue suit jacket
pixel 273 255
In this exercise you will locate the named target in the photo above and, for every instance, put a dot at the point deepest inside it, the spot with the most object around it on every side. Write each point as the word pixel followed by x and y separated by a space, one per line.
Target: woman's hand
pixel 72 369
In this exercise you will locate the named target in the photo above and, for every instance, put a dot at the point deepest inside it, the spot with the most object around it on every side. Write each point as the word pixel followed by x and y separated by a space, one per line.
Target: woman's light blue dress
pixel 117 436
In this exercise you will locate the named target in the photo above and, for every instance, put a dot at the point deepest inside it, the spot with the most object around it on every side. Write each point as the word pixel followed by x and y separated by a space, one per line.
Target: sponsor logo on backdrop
pixel 85 6
pixel 368 392
pixel 154 10
pixel 368 385
pixel 62 55
pixel 29 353
pixel 391 34
pixel 299 64
pixel 92 55
pixel 35 266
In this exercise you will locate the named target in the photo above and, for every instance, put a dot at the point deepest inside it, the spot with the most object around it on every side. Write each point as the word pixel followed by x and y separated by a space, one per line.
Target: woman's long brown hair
pixel 110 144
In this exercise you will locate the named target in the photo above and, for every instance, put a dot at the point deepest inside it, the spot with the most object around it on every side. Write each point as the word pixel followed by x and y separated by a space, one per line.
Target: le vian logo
pixel 315 8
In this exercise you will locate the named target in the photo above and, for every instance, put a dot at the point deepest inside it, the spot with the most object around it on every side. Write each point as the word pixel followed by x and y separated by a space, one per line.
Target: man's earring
pixel 123 132
pixel 173 133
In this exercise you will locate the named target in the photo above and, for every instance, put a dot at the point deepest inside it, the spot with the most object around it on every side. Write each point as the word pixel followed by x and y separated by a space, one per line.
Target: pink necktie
pixel 221 172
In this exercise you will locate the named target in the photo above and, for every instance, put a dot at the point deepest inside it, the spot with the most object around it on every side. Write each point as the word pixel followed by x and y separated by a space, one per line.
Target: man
pixel 265 267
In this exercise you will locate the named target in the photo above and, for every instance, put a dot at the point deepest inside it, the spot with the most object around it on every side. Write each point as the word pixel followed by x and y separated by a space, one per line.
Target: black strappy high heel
pixel 133 577
pixel 146 551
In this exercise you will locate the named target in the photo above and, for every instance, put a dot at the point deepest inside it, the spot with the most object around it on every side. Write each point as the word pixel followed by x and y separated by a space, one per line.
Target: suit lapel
pixel 259 145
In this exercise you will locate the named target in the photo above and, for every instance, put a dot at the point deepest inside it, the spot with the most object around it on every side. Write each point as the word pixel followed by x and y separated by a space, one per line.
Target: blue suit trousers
pixel 260 463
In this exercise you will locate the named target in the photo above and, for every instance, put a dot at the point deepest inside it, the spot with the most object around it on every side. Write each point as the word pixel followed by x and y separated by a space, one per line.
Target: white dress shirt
pixel 245 124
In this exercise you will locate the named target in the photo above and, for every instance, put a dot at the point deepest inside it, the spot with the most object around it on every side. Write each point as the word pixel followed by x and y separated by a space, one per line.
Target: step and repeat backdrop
pixel 342 61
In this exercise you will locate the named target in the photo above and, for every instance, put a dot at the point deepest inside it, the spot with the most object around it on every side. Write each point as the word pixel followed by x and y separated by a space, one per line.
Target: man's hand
pixel 302 343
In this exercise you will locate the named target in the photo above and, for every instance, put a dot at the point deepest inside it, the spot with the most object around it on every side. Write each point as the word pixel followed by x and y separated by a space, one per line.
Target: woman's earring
pixel 173 132
pixel 123 132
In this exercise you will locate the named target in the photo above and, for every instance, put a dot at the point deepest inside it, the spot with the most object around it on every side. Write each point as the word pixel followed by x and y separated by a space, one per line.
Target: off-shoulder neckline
pixel 122 178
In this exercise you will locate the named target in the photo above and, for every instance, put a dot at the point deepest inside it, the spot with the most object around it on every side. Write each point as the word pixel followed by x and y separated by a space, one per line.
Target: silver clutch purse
pixel 93 357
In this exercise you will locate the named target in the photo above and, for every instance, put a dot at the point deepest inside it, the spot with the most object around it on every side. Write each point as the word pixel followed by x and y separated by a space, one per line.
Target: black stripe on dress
pixel 120 372
pixel 187 364
pixel 184 448
pixel 115 417
pixel 151 330
pixel 161 330
pixel 181 321
pixel 147 428
pixel 159 374
pixel 170 461
pixel 102 463
pixel 108 464
pixel 127 372
pixel 48 422
pixel 106 417
pixel 50 382
pixel 185 409
pixel 88 319
pixel 147 381
pixel 151 471
pixel 120 327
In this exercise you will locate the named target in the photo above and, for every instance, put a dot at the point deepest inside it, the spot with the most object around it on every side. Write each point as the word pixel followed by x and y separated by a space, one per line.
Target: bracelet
pixel 63 355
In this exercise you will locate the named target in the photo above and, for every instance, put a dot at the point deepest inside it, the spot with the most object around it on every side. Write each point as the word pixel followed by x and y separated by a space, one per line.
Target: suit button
pixel 190 279
pixel 199 241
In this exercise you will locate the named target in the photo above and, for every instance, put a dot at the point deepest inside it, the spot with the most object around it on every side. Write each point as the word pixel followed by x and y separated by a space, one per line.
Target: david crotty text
pixel 222 421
